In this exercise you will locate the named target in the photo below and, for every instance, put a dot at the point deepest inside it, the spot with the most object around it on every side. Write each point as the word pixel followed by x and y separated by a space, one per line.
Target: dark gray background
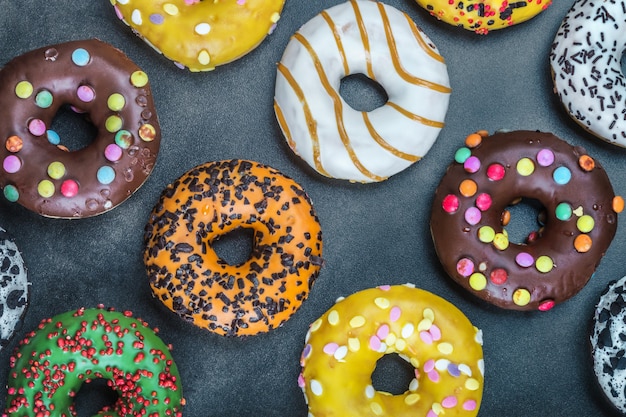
pixel 537 364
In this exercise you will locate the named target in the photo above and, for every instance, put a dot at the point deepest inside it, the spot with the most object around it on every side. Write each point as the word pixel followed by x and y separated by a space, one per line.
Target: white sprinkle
pixel 407 330
pixel 370 391
pixel 316 387
pixel 135 17
pixel 202 28
pixel 341 352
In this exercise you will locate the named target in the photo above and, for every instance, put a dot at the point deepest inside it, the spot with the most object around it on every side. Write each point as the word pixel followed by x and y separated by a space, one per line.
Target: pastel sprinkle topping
pixel 23 89
pixel 81 57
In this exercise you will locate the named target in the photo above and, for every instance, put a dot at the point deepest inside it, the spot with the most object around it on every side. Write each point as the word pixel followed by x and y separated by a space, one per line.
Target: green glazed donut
pixel 52 363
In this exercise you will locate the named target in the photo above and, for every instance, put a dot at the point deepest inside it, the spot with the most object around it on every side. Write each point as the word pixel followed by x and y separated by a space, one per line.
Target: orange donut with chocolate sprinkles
pixel 210 201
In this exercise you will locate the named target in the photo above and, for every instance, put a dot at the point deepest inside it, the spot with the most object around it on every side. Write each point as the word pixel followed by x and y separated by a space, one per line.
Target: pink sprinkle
pixel 241 2
pixel 330 348
pixel 383 332
pixel 375 343
pixel 483 201
pixel 429 365
pixel 113 152
pixel 69 188
pixel 384 287
pixel 471 164
pixel 118 13
pixel 426 338
pixel 469 405
pixel 394 314
pixel 495 172
pixel 301 382
pixel 85 93
pixel 37 127
pixel 450 203
pixel 545 157
pixel 435 332
pixel 431 413
pixel 524 259
pixel 546 305
pixel 449 402
pixel 465 267
pixel 433 375
pixel 472 216
pixel 12 164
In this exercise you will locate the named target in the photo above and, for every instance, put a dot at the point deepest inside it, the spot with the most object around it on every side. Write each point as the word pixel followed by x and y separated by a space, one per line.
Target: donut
pixel 343 346
pixel 210 201
pixel 92 78
pixel 200 35
pixel 470 213
pixel 14 287
pixel 585 62
pixel 608 343
pixel 66 351
pixel 383 43
pixel 481 16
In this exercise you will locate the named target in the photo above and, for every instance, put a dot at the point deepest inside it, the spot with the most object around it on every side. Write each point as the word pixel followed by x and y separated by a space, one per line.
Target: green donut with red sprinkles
pixel 51 364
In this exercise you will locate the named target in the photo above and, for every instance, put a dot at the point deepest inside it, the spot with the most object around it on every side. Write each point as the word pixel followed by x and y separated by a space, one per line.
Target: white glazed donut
pixel 608 343
pixel 586 70
pixel 14 287
pixel 383 43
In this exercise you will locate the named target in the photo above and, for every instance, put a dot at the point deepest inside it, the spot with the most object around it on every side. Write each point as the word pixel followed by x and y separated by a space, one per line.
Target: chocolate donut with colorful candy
pixel 53 362
pixel 343 346
pixel 469 215
pixel 481 16
pixel 586 67
pixel 210 201
pixel 92 78
pixel 200 34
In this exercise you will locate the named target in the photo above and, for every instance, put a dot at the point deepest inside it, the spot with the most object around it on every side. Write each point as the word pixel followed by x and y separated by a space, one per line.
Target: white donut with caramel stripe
pixel 383 43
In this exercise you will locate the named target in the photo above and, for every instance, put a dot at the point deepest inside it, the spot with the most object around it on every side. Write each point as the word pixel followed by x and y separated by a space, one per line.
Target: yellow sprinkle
pixel 521 297
pixel 585 223
pixel 445 348
pixel 316 324
pixel 438 408
pixel 333 317
pixel 428 314
pixel 274 17
pixel 472 384
pixel 23 89
pixel 382 302
pixel 139 79
pixel 525 167
pixel 113 123
pixel 376 409
pixel 415 362
pixel 390 340
pixel 400 345
pixel 425 324
pixel 45 188
pixel 357 321
pixel 353 344
pixel 477 281
pixel 170 9
pixel 486 234
pixel 411 399
pixel 203 57
pixel 500 241
pixel 544 264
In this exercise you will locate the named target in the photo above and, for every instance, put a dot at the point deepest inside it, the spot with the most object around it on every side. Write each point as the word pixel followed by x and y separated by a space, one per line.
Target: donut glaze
pixel 379 41
pixel 435 337
pixel 608 343
pixel 14 287
pixel 91 77
pixel 585 60
pixel 197 34
pixel 64 352
pixel 469 214
pixel 210 201
pixel 481 16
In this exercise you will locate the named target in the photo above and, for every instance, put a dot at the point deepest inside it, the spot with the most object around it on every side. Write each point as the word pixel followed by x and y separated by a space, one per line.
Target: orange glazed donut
pixel 200 34
pixel 436 338
pixel 210 201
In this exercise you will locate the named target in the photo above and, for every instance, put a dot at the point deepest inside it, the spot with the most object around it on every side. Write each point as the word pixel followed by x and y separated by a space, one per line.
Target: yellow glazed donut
pixel 381 42
pixel 436 338
pixel 481 16
pixel 201 35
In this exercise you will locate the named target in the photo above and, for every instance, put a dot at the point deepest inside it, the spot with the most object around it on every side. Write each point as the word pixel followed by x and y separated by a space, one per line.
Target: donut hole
pixel 93 396
pixel 527 217
pixel 234 247
pixel 362 93
pixel 392 374
pixel 73 130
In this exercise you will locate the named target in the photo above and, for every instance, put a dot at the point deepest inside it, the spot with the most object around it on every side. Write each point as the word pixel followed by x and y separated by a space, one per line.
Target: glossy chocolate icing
pixel 58 71
pixel 588 193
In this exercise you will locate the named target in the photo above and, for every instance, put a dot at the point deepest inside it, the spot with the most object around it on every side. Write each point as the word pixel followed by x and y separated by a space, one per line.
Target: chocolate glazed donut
pixel 469 217
pixel 91 77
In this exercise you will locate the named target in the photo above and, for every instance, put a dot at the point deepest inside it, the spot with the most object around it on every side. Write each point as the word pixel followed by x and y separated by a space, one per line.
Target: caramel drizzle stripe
pixel 395 58
pixel 413 116
pixel 310 121
pixel 420 40
pixel 342 51
pixel 364 38
pixel 383 144
pixel 283 125
pixel 338 109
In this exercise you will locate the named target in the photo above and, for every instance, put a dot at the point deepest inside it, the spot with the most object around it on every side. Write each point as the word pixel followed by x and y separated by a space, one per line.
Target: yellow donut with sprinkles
pixel 197 34
pixel 343 346
pixel 481 16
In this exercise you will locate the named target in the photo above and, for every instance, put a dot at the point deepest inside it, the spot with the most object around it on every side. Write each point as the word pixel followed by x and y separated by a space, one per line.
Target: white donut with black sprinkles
pixel 608 343
pixel 586 69
pixel 14 287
